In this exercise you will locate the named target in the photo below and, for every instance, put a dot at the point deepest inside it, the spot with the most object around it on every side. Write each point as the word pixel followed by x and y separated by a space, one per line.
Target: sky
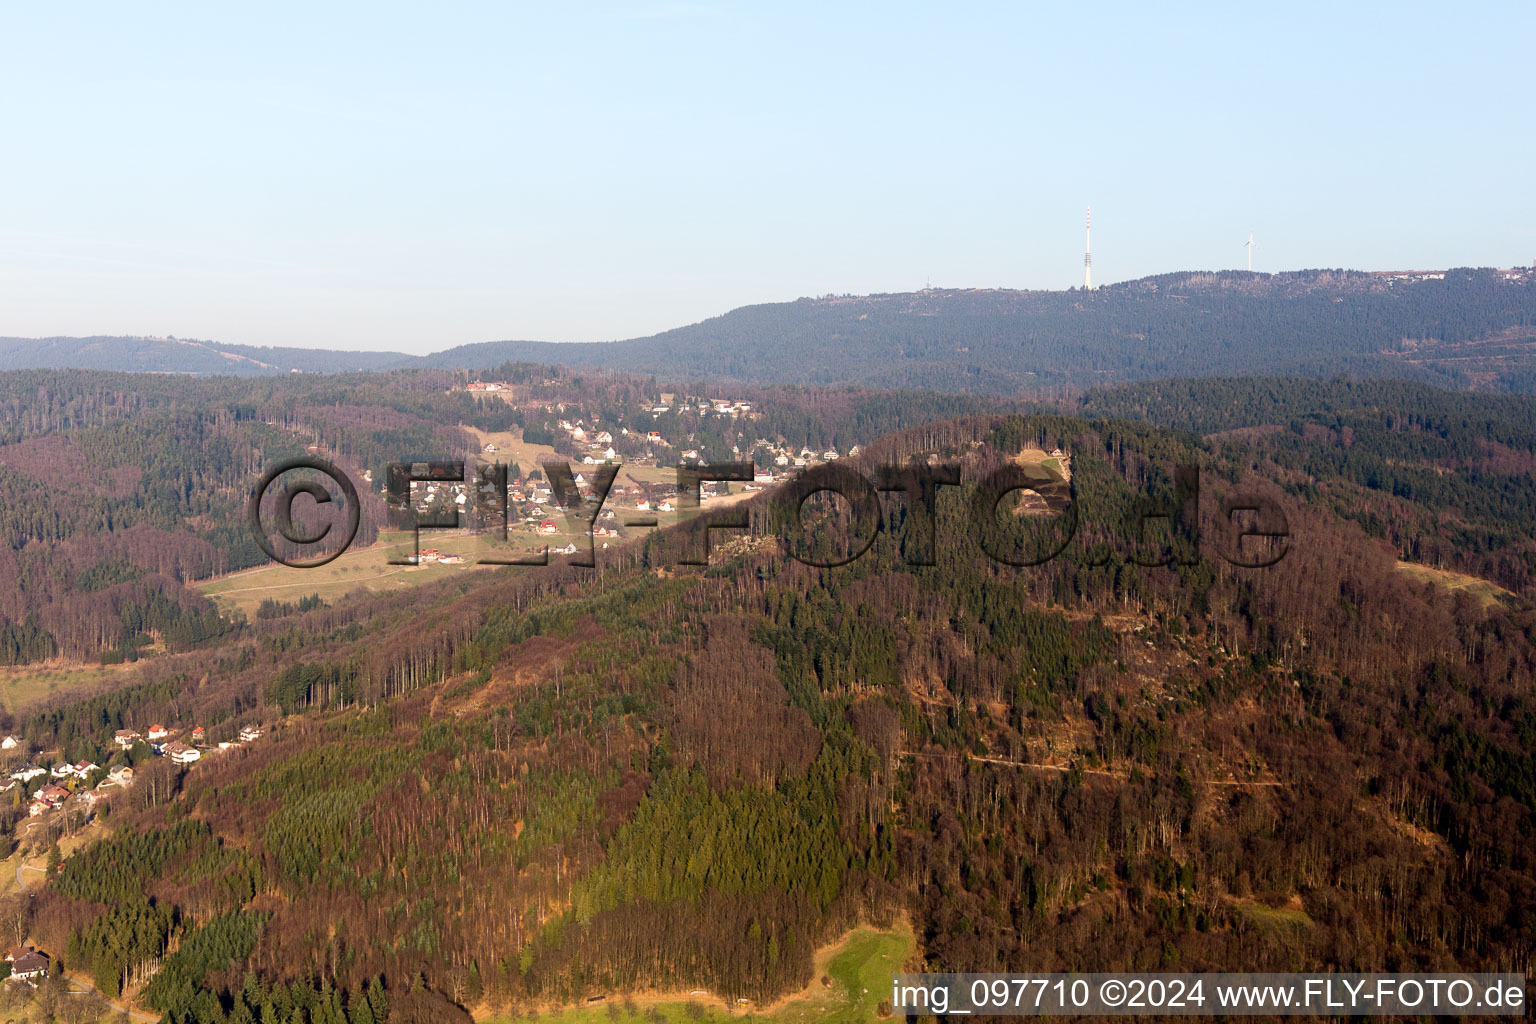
pixel 417 176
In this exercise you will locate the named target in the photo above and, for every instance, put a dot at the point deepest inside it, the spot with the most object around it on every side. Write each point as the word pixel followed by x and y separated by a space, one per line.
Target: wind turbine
pixel 1252 245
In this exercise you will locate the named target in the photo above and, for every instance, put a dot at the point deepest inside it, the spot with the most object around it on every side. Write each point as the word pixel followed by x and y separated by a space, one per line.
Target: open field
pixel 859 968
pixel 1060 468
pixel 510 447
pixel 369 569
pixel 1484 591
pixel 23 685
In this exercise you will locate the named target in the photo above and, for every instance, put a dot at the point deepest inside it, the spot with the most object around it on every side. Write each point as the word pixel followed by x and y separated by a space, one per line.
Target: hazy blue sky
pixel 415 176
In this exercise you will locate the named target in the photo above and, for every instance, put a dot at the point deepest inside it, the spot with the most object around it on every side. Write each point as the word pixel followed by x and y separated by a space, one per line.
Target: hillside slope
pixel 534 787
pixel 1463 329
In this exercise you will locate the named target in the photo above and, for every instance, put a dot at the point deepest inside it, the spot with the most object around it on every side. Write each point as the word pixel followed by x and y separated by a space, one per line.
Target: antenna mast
pixel 1088 251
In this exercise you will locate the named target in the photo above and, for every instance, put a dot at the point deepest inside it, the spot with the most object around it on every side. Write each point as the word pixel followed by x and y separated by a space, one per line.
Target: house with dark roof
pixel 30 966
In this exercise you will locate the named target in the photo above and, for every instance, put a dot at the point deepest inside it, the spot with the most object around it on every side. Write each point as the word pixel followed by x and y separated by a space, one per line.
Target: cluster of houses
pixel 705 407
pixel 597 442
pixel 429 556
pixel 68 779
pixel 439 495
pixel 532 499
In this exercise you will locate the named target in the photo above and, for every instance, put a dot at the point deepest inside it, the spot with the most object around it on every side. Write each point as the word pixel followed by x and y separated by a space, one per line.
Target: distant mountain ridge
pixel 184 356
pixel 1462 328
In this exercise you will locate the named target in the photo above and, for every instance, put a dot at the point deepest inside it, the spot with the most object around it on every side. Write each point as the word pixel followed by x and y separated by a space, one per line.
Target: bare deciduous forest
pixel 529 786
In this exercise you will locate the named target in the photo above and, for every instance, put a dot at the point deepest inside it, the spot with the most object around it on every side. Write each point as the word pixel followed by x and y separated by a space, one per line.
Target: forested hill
pixel 1467 329
pixel 1449 478
pixel 525 788
pixel 1464 329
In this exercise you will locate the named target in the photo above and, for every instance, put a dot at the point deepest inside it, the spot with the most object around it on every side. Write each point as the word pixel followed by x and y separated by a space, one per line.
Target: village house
pixel 198 734
pixel 122 775
pixel 30 966
pixel 125 738
pixel 10 743
pixel 249 733
pixel 62 770
pixel 158 732
pixel 84 768
pixel 28 772
pixel 53 794
pixel 180 753
pixel 37 807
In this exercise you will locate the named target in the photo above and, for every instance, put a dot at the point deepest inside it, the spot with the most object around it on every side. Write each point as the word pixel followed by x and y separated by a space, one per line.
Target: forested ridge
pixel 1449 479
pixel 1461 328
pixel 525 788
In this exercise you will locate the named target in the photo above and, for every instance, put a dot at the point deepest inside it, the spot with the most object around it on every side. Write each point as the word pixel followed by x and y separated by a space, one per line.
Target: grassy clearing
pixel 858 968
pixel 369 569
pixel 23 685
pixel 1275 919
pixel 1061 469
pixel 1483 591
pixel 510 447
